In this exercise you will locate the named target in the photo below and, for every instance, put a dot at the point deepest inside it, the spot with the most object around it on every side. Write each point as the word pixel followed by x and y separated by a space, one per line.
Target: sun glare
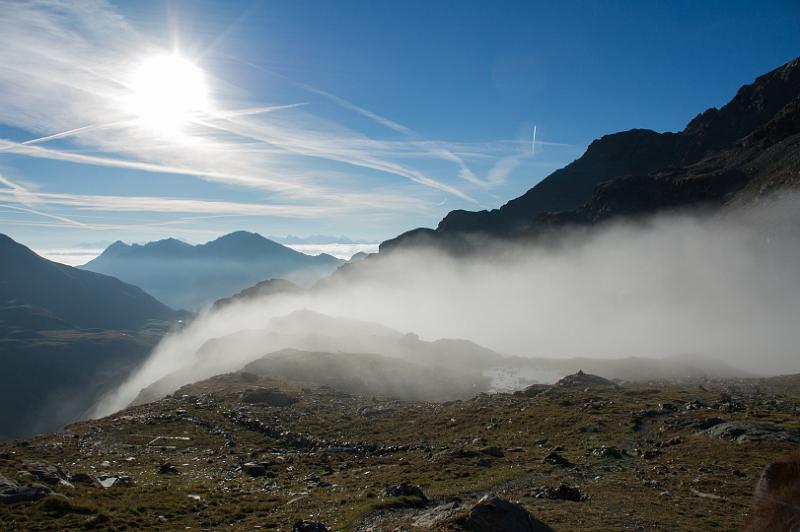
pixel 166 92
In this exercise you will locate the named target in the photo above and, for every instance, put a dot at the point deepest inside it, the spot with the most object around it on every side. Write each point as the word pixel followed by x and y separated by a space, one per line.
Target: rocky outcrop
pixel 585 380
pixel 743 431
pixel 11 492
pixel 493 514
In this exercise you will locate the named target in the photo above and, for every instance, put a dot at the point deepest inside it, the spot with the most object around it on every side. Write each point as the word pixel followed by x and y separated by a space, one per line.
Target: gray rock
pixel 108 481
pixel 11 492
pixel 406 490
pixel 437 514
pixel 498 515
pixel 84 478
pixel 585 380
pixel 553 458
pixel 309 526
pixel 254 470
pixel 49 474
pixel 743 432
pixel 562 493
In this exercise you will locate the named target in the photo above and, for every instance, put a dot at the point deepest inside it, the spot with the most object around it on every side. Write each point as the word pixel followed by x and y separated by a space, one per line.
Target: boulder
pixel 561 493
pixel 553 458
pixel 49 474
pixel 743 432
pixel 254 469
pixel 167 469
pixel 493 514
pixel 585 380
pixel 438 514
pixel 11 492
pixel 118 479
pixel 309 526
pixel 84 478
pixel 406 489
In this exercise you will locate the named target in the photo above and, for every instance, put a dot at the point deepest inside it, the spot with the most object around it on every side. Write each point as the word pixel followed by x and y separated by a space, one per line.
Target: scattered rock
pixel 585 380
pixel 167 469
pixel 11 492
pixel 608 452
pixel 406 489
pixel 562 493
pixel 553 458
pixel 309 526
pixel 84 478
pixel 649 454
pixel 254 469
pixel 707 423
pixel 49 474
pixel 497 452
pixel 743 432
pixel 498 515
pixel 436 515
pixel 108 481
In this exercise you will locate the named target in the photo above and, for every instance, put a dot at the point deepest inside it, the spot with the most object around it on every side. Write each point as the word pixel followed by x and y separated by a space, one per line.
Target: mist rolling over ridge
pixel 721 286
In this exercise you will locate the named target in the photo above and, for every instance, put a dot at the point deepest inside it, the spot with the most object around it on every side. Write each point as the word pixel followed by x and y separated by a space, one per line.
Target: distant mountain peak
pixel 191 276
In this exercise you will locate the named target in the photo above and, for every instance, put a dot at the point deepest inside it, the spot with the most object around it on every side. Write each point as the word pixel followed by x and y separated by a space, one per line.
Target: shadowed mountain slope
pixel 36 293
pixel 66 336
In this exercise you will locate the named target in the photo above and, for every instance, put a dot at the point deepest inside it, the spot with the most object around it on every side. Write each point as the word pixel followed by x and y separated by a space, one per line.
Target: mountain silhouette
pixel 36 293
pixel 724 157
pixel 187 276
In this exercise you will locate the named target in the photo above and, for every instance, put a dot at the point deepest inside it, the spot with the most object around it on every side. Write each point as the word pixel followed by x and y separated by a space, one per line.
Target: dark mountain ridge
pixel 191 276
pixel 66 337
pixel 68 296
pixel 743 151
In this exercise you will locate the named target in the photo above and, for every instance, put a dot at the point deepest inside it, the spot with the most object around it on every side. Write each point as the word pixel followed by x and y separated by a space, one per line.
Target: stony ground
pixel 241 452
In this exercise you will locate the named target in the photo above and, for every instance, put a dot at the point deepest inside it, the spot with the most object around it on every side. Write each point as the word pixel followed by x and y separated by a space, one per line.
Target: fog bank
pixel 723 286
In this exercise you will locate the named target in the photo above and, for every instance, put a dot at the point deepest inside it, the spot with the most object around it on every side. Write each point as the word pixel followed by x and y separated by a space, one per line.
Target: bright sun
pixel 166 92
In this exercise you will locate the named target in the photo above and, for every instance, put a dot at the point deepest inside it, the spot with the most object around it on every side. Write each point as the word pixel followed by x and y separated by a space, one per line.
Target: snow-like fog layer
pixel 726 287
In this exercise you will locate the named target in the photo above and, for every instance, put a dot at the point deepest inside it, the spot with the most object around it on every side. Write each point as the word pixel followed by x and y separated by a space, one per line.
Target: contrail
pixel 533 142
pixel 71 132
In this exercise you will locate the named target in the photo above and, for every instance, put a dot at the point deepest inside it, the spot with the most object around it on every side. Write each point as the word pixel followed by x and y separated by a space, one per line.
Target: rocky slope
pixel 243 452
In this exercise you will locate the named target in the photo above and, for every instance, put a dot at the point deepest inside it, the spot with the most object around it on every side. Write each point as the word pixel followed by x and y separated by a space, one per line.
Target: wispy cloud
pixel 65 69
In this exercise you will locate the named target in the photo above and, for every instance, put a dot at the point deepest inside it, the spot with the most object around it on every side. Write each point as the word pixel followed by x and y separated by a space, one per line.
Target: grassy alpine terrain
pixel 245 452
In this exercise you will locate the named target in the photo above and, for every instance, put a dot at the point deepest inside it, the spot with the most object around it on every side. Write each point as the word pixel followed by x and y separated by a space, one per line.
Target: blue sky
pixel 358 118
